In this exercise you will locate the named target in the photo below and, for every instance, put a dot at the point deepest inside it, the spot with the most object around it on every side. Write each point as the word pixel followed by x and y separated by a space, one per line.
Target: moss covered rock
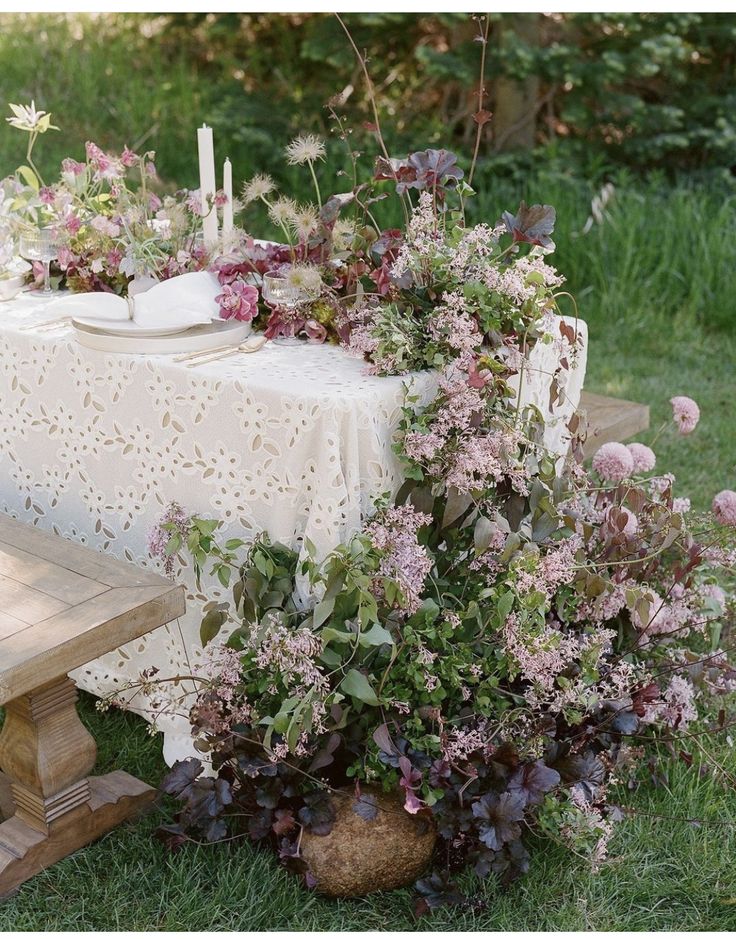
pixel 363 854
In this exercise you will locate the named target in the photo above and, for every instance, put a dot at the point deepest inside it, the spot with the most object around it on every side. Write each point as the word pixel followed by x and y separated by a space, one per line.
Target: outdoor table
pixel 295 440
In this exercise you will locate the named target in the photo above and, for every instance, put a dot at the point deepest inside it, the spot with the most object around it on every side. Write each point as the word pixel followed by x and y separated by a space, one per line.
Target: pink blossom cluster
pixel 685 413
pixel 403 559
pixel 676 708
pixel 724 508
pixel 453 324
pixel 159 536
pixel 613 462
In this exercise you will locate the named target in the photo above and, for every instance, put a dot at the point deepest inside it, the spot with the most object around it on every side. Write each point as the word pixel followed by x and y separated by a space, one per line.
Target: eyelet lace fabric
pixel 295 440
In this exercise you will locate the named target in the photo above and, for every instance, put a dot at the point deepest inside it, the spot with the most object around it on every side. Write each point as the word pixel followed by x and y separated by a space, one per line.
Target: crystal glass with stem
pixel 41 245
pixel 279 291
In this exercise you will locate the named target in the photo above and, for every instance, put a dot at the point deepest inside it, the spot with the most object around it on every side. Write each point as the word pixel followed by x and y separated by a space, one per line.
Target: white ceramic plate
pixel 195 339
pixel 128 327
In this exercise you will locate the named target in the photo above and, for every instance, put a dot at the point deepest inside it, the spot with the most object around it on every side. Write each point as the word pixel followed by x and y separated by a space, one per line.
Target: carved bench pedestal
pixel 46 755
pixel 61 606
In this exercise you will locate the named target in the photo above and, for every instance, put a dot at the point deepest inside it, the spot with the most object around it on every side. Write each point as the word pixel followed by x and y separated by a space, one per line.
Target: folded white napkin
pixel 186 300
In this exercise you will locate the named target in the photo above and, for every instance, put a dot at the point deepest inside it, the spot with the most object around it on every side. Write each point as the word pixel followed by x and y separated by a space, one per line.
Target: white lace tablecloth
pixel 295 440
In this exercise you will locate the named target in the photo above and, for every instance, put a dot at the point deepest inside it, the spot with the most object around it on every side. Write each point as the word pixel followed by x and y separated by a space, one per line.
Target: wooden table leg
pixel 46 755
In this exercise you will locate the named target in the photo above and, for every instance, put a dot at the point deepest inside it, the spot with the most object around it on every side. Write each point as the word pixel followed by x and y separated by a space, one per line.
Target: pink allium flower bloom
pixel 613 462
pixel 128 158
pixel 644 458
pixel 686 413
pixel 724 507
pixel 238 301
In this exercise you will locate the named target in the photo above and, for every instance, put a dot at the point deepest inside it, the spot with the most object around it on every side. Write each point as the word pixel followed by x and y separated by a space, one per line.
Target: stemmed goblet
pixel 279 291
pixel 41 245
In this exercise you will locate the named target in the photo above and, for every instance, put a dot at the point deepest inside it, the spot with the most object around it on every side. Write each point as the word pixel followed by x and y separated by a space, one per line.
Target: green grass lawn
pixel 662 874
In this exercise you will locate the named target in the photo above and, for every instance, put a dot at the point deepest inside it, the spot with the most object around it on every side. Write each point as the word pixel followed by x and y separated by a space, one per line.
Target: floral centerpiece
pixel 505 635
pixel 110 224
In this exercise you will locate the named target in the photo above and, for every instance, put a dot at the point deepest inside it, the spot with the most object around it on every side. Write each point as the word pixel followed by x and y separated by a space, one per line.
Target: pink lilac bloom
pixel 643 456
pixel 238 301
pixel 686 413
pixel 724 508
pixel 159 536
pixel 613 462
pixel 677 706
pixel 404 560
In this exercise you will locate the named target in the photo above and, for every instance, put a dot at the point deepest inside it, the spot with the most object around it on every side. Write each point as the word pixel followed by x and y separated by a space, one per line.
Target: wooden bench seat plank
pixel 79 634
pixel 9 625
pixel 48 577
pixel 27 604
pixel 611 419
pixel 73 557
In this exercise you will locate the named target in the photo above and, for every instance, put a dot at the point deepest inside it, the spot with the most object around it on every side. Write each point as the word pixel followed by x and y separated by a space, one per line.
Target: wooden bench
pixel 61 605
pixel 611 419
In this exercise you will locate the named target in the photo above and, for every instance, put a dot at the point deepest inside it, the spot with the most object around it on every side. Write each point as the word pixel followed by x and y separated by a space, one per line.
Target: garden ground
pixel 663 874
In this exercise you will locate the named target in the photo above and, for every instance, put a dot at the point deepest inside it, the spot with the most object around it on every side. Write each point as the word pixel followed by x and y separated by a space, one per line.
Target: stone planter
pixel 362 856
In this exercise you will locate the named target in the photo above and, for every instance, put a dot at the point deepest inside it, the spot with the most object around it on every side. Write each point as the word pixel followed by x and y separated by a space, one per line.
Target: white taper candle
pixel 207 183
pixel 227 185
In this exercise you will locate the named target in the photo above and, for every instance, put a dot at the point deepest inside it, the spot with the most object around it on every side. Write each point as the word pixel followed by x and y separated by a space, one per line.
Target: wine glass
pixel 280 291
pixel 41 245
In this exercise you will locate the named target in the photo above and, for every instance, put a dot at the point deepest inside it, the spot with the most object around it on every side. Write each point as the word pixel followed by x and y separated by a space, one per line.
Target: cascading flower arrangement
pixel 508 632
pixel 110 224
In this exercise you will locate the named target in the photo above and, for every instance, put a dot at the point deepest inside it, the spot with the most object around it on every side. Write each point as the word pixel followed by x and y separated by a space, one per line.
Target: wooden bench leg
pixel 46 755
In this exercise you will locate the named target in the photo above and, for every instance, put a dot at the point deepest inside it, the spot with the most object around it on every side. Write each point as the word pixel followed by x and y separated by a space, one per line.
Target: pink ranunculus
pixel 238 301
pixel 724 508
pixel 685 413
pixel 128 158
pixel 613 462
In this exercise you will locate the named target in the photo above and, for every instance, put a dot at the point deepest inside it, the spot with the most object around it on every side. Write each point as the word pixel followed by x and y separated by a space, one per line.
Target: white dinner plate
pixel 195 339
pixel 129 327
